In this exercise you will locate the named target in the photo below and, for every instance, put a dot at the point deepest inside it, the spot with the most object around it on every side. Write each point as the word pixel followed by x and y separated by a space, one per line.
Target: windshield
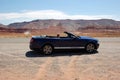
pixel 70 35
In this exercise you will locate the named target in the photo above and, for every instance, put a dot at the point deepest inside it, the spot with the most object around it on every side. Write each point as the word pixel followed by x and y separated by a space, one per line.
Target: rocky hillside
pixel 102 27
pixel 5 28
pixel 2 26
pixel 53 26
pixel 69 25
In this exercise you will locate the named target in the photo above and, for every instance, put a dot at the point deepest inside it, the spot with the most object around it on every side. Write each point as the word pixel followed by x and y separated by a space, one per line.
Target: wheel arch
pixel 92 43
pixel 47 44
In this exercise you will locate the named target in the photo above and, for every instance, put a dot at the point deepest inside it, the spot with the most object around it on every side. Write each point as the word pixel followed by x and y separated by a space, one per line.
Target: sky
pixel 27 10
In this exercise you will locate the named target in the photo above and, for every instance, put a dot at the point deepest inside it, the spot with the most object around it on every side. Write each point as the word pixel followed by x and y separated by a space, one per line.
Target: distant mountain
pixel 17 25
pixel 69 25
pixel 3 26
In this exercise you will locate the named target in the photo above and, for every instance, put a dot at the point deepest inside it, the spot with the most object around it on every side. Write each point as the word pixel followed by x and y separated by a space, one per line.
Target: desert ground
pixel 18 62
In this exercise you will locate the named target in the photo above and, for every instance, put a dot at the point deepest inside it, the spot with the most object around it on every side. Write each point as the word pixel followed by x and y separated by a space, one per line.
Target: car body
pixel 48 43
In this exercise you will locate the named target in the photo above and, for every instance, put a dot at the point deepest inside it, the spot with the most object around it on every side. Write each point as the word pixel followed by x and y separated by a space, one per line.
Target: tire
pixel 47 49
pixel 90 47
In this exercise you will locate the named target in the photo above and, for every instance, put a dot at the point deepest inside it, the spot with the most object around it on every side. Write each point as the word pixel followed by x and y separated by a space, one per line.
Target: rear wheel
pixel 47 49
pixel 90 47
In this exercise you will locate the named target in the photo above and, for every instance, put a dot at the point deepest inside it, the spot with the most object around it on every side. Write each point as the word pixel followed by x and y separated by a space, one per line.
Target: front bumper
pixel 97 45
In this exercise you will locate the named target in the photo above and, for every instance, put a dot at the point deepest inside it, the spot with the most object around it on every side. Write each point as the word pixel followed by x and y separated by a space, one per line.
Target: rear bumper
pixel 34 46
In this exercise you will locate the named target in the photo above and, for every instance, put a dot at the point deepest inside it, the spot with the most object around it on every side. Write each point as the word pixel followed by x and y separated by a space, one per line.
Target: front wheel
pixel 90 47
pixel 47 49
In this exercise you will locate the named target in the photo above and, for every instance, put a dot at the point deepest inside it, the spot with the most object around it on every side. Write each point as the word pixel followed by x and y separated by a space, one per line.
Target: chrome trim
pixel 69 47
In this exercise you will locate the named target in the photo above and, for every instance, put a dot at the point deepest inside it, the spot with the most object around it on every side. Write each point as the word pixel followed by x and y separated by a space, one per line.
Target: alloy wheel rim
pixel 47 49
pixel 90 47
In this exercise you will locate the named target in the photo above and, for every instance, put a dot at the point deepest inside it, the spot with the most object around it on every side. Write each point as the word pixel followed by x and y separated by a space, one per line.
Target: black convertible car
pixel 47 44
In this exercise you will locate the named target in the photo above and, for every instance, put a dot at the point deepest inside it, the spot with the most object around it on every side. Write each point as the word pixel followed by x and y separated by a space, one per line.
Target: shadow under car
pixel 58 53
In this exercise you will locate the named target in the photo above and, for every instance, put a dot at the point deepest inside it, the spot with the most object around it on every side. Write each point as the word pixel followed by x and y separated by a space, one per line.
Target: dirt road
pixel 17 62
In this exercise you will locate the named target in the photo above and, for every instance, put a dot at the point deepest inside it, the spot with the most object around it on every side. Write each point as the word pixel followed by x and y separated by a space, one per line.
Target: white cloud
pixel 7 18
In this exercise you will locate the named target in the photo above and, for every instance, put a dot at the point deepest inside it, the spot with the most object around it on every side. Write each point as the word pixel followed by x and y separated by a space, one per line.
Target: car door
pixel 70 42
pixel 75 42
